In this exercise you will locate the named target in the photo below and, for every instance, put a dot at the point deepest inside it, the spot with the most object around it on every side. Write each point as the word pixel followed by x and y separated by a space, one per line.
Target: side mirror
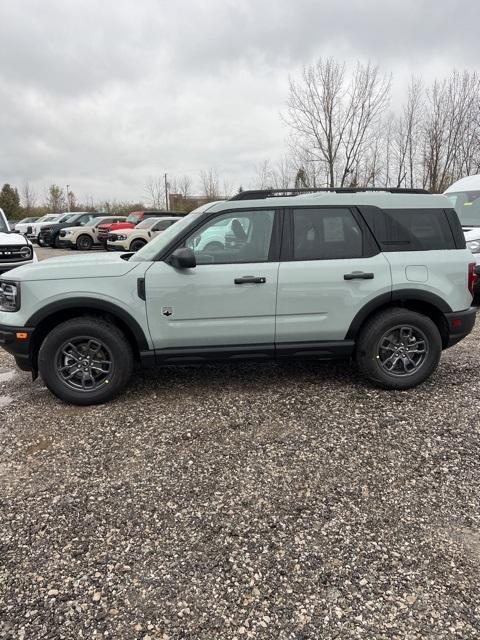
pixel 183 258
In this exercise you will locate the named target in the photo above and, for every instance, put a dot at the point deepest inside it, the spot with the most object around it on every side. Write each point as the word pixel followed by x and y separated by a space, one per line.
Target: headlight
pixel 122 236
pixel 9 296
pixel 66 233
pixel 26 252
pixel 474 246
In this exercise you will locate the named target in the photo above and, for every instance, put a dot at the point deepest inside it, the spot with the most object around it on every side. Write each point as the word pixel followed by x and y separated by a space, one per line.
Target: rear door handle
pixel 358 275
pixel 250 280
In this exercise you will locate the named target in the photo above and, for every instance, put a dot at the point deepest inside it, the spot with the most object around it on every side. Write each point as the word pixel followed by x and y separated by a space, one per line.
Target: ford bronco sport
pixel 382 276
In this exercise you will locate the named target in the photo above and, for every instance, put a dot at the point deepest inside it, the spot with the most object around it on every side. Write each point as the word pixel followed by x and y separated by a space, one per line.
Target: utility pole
pixel 166 193
pixel 68 198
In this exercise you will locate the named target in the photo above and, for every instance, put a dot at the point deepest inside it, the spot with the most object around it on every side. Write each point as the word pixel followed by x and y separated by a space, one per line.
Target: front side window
pixel 84 220
pixel 161 226
pixel 326 234
pixel 242 236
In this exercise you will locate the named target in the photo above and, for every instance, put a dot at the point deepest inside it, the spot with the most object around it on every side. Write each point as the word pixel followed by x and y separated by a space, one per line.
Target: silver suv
pixel 381 276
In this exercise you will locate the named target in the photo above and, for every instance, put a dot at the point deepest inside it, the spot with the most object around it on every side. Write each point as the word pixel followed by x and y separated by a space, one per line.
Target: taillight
pixel 472 276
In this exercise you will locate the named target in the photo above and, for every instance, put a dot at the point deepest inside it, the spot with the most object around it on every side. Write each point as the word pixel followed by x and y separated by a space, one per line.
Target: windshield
pixel 146 224
pixel 3 225
pixel 467 206
pixel 151 249
pixel 67 218
pixel 134 217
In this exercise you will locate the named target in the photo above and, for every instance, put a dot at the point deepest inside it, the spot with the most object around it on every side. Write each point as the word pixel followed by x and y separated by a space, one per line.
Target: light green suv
pixel 382 276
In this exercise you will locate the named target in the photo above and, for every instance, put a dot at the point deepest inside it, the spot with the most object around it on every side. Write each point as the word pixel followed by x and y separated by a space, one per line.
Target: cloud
pixel 101 94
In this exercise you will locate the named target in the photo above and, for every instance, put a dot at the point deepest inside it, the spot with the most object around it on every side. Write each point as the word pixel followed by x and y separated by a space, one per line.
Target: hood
pixel 12 238
pixel 117 225
pixel 101 265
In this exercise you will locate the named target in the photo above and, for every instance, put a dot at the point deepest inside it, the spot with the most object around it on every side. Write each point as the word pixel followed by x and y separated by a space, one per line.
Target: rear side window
pixel 412 229
pixel 326 234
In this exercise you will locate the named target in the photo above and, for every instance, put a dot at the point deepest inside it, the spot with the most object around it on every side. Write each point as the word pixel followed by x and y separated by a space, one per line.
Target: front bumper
pixel 117 245
pixel 13 265
pixel 18 347
pixel 63 243
pixel 460 324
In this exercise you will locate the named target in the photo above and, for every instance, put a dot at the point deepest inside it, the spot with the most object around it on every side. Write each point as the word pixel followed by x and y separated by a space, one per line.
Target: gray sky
pixel 101 94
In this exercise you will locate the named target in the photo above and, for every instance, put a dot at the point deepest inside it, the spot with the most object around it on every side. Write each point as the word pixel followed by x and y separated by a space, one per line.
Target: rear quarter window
pixel 413 230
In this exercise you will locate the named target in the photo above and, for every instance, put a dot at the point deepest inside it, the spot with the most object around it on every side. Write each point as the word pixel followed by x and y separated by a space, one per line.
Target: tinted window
pixel 161 226
pixel 415 230
pixel 242 236
pixel 326 234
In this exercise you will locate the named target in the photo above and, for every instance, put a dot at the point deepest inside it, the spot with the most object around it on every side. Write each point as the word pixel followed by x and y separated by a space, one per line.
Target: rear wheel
pixel 84 242
pixel 137 245
pixel 399 349
pixel 86 360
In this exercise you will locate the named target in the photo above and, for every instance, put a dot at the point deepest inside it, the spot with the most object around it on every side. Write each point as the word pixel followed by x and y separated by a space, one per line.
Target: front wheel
pixel 398 349
pixel 84 243
pixel 85 360
pixel 137 245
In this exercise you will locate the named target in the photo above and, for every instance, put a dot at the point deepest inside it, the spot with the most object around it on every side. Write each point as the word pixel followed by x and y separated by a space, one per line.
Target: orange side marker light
pixel 21 335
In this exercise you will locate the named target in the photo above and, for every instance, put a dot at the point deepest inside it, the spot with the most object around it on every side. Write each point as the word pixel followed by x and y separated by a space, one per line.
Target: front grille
pixel 11 253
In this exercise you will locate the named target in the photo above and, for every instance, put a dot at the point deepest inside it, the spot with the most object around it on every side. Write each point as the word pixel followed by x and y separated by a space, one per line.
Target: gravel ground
pixel 273 501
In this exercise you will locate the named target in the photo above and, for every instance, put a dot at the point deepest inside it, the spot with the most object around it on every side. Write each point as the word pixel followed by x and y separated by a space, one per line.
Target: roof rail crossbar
pixel 259 194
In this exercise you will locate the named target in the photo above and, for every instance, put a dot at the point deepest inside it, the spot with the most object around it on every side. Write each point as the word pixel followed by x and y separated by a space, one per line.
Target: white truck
pixel 15 249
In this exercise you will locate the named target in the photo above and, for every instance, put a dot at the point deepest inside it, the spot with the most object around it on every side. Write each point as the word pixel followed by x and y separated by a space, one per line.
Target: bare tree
pixel 155 192
pixel 210 183
pixel 334 116
pixel 185 186
pixel 29 197
pixel 451 119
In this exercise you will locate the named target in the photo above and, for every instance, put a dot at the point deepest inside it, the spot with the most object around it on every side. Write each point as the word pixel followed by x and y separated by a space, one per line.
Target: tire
pixel 40 242
pixel 392 358
pixel 137 245
pixel 84 242
pixel 56 242
pixel 68 343
pixel 214 246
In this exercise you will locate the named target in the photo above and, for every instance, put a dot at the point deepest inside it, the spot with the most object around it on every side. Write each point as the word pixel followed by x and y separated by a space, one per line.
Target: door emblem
pixel 167 311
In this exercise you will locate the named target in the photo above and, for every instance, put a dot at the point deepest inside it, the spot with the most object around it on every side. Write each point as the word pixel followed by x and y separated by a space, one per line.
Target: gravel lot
pixel 283 502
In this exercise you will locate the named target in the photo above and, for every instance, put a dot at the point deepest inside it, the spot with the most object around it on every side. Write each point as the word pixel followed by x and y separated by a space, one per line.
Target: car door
pixel 332 268
pixel 225 305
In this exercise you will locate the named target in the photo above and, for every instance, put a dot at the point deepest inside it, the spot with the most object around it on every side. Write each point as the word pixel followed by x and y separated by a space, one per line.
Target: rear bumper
pixel 460 324
pixel 18 348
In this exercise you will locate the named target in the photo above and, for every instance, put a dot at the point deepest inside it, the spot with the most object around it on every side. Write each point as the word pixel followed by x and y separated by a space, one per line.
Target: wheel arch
pixel 420 301
pixel 50 316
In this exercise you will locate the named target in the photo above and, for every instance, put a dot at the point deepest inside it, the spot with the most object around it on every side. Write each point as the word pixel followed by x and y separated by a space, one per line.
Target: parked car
pixel 15 249
pixel 23 221
pixel 49 234
pixel 380 276
pixel 136 238
pixel 33 232
pixel 25 228
pixel 85 237
pixel 130 222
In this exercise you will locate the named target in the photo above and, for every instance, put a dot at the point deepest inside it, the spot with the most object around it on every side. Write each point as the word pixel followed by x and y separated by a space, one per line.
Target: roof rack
pixel 260 194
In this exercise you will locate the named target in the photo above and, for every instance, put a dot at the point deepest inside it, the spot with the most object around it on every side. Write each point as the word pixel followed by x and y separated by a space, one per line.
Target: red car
pixel 132 220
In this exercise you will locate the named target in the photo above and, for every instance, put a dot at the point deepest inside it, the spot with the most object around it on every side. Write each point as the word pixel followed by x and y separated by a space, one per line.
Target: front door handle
pixel 358 275
pixel 250 280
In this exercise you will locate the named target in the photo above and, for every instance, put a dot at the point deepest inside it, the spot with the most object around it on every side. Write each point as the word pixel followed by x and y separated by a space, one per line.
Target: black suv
pixel 49 235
